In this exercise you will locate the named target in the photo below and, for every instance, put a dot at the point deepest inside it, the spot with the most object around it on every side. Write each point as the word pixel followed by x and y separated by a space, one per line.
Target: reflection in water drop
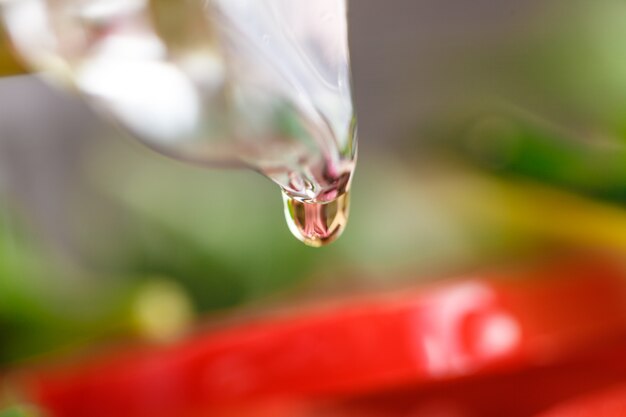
pixel 317 224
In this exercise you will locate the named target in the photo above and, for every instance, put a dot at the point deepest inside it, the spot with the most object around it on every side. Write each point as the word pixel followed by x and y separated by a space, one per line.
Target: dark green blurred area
pixel 518 150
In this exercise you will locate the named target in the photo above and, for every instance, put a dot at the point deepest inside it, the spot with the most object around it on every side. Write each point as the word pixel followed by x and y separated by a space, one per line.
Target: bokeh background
pixel 491 133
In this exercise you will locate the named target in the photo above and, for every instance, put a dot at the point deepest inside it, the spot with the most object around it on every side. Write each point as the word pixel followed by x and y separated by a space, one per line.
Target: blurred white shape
pixel 459 328
pixel 500 333
pixel 152 98
pixel 108 9
pixel 28 22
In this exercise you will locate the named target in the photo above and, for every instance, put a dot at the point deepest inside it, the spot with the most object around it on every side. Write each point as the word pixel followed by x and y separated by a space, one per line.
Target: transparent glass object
pixel 263 84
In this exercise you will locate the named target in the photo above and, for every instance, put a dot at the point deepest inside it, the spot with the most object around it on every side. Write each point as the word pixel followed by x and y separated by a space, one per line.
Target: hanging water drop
pixel 317 224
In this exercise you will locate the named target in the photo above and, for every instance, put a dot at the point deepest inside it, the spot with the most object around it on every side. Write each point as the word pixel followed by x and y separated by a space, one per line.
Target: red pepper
pixel 608 403
pixel 470 327
pixel 522 393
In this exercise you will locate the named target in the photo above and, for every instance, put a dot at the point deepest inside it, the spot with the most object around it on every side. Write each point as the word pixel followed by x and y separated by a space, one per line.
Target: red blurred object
pixel 522 393
pixel 608 403
pixel 453 338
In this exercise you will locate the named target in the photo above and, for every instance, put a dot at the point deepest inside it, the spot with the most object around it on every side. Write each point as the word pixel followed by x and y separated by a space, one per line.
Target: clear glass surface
pixel 263 84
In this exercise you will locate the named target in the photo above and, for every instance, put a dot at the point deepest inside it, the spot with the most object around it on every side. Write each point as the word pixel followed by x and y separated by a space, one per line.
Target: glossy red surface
pixel 607 403
pixel 505 344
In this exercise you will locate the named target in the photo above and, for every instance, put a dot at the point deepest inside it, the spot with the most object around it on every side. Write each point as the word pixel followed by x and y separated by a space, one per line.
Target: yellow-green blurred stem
pixel 8 63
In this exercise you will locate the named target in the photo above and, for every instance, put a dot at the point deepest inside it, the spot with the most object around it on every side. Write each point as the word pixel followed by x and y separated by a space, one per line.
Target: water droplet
pixel 317 224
